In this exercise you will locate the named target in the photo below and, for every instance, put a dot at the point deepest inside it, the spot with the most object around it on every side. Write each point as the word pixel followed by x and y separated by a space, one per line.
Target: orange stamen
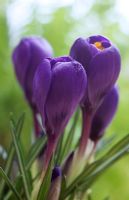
pixel 99 45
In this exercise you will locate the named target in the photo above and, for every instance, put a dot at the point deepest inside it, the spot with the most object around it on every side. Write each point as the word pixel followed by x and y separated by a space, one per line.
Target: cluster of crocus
pixel 55 87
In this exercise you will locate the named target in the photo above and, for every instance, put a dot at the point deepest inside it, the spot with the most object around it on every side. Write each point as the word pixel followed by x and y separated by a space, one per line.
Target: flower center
pixel 99 45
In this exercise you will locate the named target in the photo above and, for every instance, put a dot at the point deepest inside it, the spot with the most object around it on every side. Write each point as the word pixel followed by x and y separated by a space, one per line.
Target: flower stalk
pixel 86 127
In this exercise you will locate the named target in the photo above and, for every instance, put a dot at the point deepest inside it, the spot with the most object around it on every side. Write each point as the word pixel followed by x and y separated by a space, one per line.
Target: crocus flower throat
pixel 99 42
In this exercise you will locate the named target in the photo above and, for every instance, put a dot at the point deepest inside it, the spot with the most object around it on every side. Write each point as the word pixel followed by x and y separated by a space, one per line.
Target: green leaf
pixel 63 187
pixel 10 185
pixel 25 177
pixel 94 170
pixel 72 196
pixel 69 140
pixel 11 152
pixel 44 188
pixel 32 154
pixel 35 150
pixel 100 169
pixel 118 146
pixel 59 156
pixel 65 144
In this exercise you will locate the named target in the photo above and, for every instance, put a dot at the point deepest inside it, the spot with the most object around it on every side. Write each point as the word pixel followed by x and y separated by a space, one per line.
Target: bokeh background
pixel 61 22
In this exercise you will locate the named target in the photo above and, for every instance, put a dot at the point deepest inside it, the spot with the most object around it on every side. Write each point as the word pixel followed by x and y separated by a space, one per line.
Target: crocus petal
pixel 41 86
pixel 102 73
pixel 40 49
pixel 104 114
pixel 83 52
pixel 26 57
pixel 21 58
pixel 67 89
pixel 98 38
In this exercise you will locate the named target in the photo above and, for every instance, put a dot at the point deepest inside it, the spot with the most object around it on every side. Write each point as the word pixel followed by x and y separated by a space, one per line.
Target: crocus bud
pixel 26 57
pixel 101 60
pixel 55 187
pixel 59 86
pixel 104 114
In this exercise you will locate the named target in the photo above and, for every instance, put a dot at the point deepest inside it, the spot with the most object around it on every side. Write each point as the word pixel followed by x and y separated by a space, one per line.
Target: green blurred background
pixel 61 22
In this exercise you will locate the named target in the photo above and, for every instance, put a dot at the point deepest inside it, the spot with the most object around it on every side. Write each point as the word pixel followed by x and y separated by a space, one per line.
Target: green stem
pixel 86 127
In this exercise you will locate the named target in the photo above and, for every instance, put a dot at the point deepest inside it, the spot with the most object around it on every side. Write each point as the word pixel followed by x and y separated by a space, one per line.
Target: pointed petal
pixel 40 49
pixel 41 86
pixel 83 52
pixel 104 114
pixel 21 58
pixel 102 74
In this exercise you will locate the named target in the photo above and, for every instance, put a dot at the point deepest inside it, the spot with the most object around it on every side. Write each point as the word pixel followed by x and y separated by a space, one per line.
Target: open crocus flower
pixel 26 57
pixel 59 86
pixel 104 114
pixel 101 60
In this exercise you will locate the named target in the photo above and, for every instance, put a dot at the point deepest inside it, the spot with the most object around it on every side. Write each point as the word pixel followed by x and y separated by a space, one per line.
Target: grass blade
pixel 115 153
pixel 10 185
pixel 64 147
pixel 21 164
pixel 11 151
pixel 34 151
pixel 59 156
pixel 44 188
pixel 69 140
pixel 100 169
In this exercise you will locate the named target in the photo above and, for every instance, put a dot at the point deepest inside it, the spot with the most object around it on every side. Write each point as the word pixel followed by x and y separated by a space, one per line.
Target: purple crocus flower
pixel 59 85
pixel 26 57
pixel 101 60
pixel 104 114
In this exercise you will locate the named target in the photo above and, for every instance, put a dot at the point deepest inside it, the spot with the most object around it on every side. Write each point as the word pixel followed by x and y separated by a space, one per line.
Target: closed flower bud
pixel 55 187
pixel 59 86
pixel 101 60
pixel 56 173
pixel 104 114
pixel 26 57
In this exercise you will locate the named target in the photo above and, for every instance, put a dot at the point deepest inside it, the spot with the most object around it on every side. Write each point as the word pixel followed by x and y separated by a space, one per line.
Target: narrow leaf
pixel 21 164
pixel 59 156
pixel 100 169
pixel 69 140
pixel 11 152
pixel 44 188
pixel 63 187
pixel 66 143
pixel 34 151
pixel 93 170
pixel 10 185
